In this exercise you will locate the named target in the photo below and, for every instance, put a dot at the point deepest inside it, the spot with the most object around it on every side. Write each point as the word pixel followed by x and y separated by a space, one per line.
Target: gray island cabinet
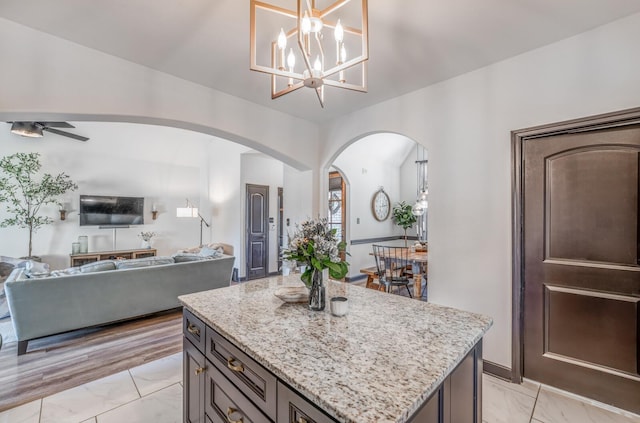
pixel 250 358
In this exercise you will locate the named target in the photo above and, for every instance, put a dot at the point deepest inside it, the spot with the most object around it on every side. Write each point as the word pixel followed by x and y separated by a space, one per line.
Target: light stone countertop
pixel 379 363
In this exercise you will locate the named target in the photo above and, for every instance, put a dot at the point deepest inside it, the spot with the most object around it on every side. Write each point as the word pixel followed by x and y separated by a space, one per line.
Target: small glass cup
pixel 339 306
pixel 75 248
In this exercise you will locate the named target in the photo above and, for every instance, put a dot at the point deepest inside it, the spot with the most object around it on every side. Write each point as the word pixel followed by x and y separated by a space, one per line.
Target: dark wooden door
pixel 581 256
pixel 257 231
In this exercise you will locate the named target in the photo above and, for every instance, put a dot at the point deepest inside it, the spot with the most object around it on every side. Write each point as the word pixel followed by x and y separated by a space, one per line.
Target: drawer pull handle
pixel 236 368
pixel 230 411
pixel 200 370
pixel 193 329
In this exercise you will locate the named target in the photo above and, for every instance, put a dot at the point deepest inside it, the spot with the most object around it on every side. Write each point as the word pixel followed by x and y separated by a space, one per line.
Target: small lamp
pixel 191 211
pixel 154 212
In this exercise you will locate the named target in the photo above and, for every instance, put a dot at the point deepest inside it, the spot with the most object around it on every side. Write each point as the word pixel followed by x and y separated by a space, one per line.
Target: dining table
pixel 419 261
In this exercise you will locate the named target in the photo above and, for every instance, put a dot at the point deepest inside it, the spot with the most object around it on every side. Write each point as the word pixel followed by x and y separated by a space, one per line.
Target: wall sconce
pixel 154 212
pixel 63 210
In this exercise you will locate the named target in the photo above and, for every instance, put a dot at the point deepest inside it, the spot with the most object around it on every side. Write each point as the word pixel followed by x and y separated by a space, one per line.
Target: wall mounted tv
pixel 111 211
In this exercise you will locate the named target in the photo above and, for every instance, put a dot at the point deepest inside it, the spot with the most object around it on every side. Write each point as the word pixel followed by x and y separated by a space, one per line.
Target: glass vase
pixel 317 291
pixel 84 244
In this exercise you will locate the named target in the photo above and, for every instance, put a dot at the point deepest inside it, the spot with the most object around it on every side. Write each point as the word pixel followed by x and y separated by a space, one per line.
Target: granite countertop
pixel 379 363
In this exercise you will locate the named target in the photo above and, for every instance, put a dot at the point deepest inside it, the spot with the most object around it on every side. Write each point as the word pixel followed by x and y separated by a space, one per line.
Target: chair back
pixel 392 263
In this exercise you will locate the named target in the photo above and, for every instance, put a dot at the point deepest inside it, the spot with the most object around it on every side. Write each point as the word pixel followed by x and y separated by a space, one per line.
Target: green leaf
pixel 25 194
pixel 402 215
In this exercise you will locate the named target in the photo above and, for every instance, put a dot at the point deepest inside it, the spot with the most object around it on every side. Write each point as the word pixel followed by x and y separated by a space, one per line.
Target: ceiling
pixel 413 43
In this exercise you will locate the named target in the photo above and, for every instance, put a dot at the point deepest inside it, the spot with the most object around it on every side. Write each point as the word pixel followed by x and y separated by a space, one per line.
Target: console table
pixel 80 259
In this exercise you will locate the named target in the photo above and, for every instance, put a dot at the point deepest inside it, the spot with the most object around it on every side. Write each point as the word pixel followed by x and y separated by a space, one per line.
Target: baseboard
pixel 496 370
pixel 269 275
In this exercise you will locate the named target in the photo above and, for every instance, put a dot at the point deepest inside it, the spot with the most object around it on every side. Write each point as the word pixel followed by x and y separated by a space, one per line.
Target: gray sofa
pixel 42 306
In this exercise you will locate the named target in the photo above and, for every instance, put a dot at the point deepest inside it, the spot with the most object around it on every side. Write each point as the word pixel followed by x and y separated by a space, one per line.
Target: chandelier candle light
pixel 308 25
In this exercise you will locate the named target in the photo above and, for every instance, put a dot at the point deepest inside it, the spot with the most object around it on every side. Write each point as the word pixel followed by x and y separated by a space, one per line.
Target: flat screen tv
pixel 99 210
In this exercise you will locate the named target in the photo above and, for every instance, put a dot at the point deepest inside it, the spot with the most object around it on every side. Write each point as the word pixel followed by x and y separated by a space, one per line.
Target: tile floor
pixel 153 393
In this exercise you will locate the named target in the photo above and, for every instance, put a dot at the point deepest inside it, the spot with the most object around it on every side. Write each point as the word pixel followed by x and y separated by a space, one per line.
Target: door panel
pixel 577 311
pixel 581 273
pixel 582 191
pixel 257 231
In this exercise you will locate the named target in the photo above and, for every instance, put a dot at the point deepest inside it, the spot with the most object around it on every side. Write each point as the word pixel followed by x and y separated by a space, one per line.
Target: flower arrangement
pixel 315 245
pixel 146 236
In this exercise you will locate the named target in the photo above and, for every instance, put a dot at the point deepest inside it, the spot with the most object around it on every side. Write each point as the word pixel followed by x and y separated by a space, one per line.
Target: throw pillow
pixel 98 266
pixel 34 268
pixel 210 252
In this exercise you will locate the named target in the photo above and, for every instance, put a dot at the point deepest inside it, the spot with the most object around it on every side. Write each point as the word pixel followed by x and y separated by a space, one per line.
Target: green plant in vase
pixel 402 215
pixel 25 194
pixel 316 246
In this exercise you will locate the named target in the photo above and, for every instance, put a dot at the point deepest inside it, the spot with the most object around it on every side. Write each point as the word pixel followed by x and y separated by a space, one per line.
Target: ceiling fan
pixel 35 129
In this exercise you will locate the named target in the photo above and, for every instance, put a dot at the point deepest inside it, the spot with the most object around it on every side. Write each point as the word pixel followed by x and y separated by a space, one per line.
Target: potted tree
pixel 402 215
pixel 25 194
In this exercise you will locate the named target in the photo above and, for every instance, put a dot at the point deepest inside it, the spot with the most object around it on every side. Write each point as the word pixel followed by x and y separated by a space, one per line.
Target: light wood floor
pixel 60 362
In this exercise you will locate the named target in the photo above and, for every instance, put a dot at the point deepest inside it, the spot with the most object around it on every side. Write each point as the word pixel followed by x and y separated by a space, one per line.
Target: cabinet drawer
pixel 257 383
pixel 193 329
pixel 292 408
pixel 226 404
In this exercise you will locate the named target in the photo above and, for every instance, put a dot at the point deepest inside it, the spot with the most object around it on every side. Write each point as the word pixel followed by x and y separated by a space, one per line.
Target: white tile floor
pixel 153 393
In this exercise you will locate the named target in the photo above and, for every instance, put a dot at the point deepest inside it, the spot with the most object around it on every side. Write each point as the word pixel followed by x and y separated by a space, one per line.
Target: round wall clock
pixel 380 205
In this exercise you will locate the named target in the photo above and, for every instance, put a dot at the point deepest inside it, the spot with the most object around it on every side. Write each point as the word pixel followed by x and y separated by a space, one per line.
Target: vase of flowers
pixel 316 246
pixel 146 238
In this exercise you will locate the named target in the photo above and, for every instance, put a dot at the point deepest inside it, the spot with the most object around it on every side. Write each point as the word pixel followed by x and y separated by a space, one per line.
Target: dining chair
pixel 392 264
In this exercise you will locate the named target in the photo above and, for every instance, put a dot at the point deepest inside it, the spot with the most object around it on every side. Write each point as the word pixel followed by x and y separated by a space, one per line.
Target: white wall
pixel 72 82
pixel 258 169
pixel 226 195
pixel 465 125
pixel 367 165
pixel 163 165
pixel 297 198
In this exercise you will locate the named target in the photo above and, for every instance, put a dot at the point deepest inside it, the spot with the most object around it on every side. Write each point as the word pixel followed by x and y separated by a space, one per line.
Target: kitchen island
pixel 249 357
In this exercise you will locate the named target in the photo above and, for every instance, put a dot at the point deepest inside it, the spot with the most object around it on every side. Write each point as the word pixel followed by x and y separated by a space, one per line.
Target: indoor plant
pixel 25 194
pixel 402 215
pixel 146 238
pixel 315 245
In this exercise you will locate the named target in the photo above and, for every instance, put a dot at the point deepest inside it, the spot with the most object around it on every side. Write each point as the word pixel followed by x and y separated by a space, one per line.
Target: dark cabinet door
pixel 224 403
pixel 293 408
pixel 581 273
pixel 194 369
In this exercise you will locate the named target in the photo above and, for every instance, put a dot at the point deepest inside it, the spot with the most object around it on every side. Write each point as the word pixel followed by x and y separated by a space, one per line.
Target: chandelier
pixel 320 43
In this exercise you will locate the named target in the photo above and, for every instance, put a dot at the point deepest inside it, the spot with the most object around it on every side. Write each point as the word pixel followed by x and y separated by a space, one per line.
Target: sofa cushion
pixel 66 272
pixel 186 257
pixel 98 266
pixel 144 262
